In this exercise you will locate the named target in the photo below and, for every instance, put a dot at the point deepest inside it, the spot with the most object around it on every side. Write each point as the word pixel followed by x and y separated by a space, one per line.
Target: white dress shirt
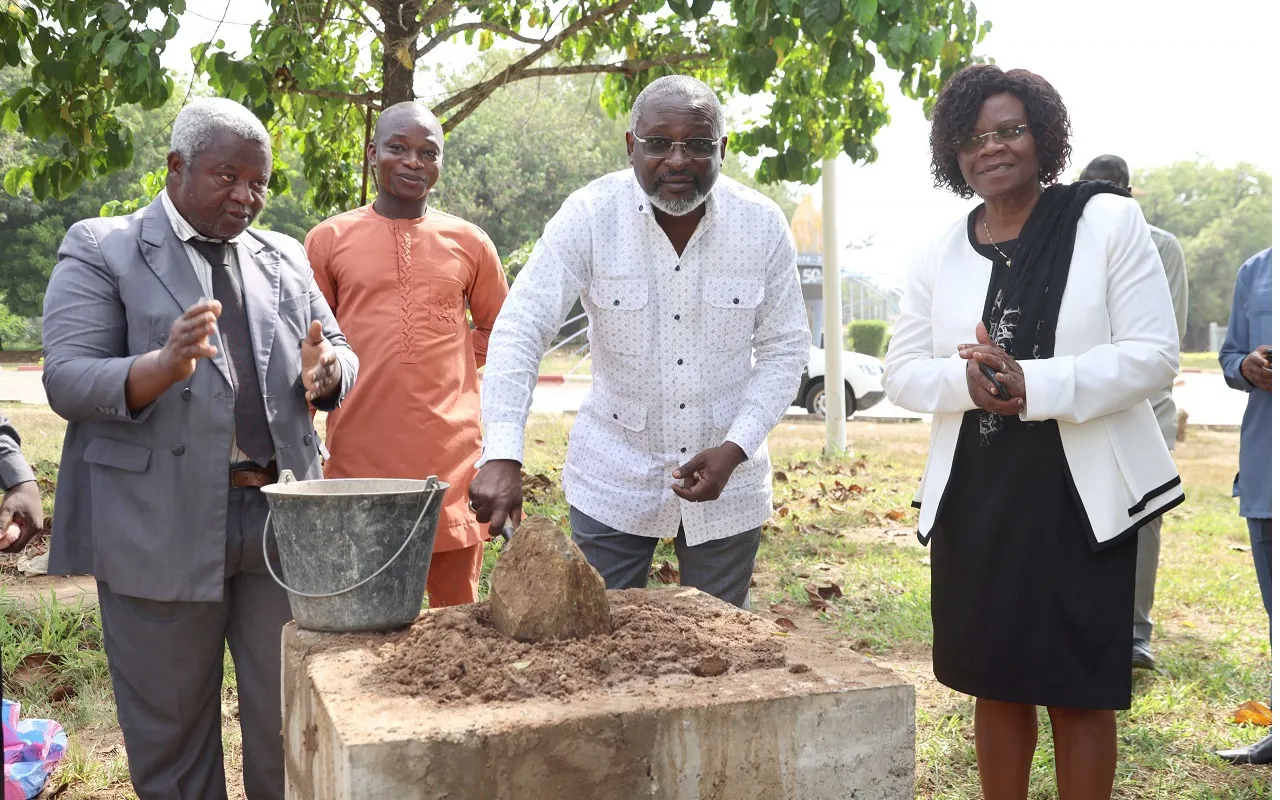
pixel 204 273
pixel 688 352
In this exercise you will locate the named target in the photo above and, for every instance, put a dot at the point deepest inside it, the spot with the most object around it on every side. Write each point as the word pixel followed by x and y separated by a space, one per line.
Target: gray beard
pixel 676 208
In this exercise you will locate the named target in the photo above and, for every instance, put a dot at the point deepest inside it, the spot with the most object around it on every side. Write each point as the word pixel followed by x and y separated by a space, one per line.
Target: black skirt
pixel 1026 609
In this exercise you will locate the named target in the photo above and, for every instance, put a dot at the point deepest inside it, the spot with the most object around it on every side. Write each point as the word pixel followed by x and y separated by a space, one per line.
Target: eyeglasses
pixel 1004 135
pixel 661 146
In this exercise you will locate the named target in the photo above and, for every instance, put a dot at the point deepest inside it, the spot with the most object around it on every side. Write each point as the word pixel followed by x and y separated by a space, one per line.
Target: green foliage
pixel 867 336
pixel 316 68
pixel 14 329
pixel 1221 216
pixel 83 60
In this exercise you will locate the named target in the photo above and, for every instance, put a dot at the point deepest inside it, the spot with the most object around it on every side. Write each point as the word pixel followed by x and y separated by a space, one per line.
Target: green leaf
pixel 864 11
pixel 170 28
pixel 819 16
pixel 14 180
pixel 700 8
pixel 10 121
pixel 40 186
pixel 764 60
pixel 900 39
pixel 116 49
pixel 681 7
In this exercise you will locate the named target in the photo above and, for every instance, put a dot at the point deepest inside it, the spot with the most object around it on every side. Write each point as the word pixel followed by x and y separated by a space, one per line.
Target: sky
pixel 1154 81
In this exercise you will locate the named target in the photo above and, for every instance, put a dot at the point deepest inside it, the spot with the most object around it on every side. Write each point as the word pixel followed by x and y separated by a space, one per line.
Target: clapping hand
pixel 321 371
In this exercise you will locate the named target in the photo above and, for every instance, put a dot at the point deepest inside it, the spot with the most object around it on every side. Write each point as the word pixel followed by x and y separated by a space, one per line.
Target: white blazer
pixel 1117 345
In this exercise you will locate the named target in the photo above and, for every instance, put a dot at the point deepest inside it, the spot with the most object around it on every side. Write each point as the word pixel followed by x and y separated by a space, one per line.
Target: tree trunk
pixel 400 34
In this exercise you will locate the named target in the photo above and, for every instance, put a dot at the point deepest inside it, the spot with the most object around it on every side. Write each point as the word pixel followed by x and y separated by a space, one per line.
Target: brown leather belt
pixel 254 476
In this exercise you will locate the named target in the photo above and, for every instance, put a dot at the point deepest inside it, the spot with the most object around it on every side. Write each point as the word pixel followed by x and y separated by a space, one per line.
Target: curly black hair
pixel 960 103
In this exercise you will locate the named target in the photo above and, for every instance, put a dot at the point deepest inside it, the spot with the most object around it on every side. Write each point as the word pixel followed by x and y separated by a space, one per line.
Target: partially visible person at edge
pixel 1114 169
pixel 1246 365
pixel 21 512
pixel 1059 292
pixel 183 346
pixel 698 339
pixel 400 276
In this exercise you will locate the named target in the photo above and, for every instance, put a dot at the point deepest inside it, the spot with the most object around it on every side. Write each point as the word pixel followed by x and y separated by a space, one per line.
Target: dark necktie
pixel 253 436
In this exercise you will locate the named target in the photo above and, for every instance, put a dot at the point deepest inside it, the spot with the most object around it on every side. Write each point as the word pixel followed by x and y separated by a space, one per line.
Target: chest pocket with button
pixel 620 323
pixel 729 310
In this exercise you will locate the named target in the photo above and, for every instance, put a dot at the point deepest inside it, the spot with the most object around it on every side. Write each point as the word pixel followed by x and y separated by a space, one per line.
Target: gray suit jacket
pixel 142 498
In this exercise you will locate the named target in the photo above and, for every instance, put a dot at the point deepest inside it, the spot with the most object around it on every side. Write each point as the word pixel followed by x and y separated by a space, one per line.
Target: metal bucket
pixel 354 552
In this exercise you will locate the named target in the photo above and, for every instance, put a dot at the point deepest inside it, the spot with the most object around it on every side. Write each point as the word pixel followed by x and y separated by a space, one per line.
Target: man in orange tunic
pixel 399 277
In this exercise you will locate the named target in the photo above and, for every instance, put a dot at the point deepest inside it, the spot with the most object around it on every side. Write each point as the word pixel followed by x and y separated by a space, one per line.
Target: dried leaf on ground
pixel 1241 548
pixel 784 512
pixel 815 600
pixel 896 515
pixel 778 608
pixel 786 624
pixel 36 667
pixel 780 477
pixel 1252 713
pixel 64 691
pixel 828 590
pixel 666 573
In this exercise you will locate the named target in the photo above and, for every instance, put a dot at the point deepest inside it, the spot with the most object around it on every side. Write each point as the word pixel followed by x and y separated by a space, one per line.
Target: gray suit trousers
pixel 1144 585
pixel 166 661
pixel 722 568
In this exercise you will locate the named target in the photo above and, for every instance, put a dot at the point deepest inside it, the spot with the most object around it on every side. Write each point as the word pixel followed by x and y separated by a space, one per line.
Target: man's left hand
pixel 321 370
pixel 706 473
pixel 21 517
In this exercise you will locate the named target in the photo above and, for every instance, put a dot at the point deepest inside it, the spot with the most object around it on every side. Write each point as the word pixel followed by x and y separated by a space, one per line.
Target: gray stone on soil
pixel 542 587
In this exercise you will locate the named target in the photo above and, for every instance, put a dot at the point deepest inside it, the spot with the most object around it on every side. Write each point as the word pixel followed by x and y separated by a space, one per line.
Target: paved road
pixel 1207 400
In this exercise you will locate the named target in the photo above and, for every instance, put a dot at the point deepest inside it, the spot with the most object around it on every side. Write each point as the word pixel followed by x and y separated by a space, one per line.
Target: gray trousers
pixel 1260 544
pixel 722 568
pixel 1144 585
pixel 166 659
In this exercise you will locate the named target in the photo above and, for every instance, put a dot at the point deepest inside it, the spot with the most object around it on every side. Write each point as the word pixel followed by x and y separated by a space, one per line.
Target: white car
pixel 862 388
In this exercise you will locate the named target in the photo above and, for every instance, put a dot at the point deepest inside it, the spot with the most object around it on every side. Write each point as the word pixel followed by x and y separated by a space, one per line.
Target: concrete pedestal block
pixel 842 729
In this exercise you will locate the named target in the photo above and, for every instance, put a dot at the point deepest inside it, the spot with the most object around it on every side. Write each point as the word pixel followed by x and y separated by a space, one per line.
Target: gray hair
pixel 686 88
pixel 202 120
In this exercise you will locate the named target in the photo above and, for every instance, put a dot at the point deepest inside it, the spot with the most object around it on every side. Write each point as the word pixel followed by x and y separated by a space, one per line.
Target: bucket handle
pixel 286 476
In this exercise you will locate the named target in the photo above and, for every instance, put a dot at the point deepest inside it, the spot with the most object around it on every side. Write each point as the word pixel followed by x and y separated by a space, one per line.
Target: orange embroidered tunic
pixel 399 289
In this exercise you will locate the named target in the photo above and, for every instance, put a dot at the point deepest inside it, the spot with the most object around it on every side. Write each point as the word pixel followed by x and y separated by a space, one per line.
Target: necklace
pixel 1008 260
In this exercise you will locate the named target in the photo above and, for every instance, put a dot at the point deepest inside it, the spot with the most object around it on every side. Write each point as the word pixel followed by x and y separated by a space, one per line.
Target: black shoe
pixel 1142 658
pixel 1257 753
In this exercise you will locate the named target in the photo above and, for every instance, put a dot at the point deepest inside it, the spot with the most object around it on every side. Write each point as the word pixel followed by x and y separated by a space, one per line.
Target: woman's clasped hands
pixel 1008 372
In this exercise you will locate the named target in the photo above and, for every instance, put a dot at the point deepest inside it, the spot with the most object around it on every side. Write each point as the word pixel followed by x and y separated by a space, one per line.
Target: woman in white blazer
pixel 1034 330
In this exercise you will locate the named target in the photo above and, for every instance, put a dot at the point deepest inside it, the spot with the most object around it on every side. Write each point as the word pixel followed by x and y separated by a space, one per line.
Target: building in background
pixel 866 294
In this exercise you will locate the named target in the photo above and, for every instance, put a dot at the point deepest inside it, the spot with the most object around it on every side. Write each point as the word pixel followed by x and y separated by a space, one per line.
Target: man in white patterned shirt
pixel 698 338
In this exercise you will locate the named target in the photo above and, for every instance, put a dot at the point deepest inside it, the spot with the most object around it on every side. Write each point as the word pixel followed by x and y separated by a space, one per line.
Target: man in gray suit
pixel 182 346
pixel 1116 170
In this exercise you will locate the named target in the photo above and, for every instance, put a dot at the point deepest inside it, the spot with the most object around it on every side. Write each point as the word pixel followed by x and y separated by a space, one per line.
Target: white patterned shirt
pixel 688 352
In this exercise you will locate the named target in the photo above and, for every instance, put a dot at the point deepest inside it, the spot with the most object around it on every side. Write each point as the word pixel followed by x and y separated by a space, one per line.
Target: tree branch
pixel 454 30
pixel 359 9
pixel 629 67
pixel 483 90
pixel 436 12
pixel 365 99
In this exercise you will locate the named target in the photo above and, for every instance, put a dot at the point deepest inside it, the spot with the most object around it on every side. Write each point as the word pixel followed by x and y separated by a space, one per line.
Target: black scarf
pixel 1024 300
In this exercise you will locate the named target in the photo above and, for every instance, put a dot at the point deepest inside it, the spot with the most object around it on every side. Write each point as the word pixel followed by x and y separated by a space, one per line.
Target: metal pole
pixel 832 318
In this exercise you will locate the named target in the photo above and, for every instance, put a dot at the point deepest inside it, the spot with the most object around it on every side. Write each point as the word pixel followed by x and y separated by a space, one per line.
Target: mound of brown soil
pixel 455 656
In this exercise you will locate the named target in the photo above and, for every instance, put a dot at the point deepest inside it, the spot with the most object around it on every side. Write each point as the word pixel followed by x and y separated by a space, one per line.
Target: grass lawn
pixel 1202 361
pixel 848 523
